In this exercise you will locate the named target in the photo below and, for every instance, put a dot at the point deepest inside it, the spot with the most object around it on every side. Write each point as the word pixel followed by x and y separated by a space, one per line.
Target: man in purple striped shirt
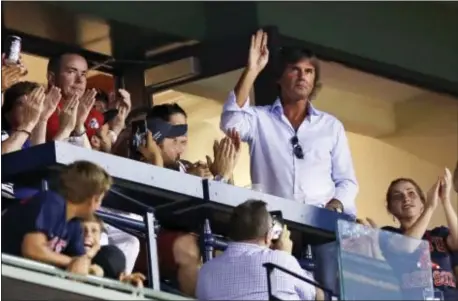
pixel 238 273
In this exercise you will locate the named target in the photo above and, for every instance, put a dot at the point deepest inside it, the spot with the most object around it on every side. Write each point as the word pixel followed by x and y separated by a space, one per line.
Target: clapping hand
pixel 86 103
pixel 224 158
pixel 68 113
pixel 237 142
pixel 440 190
pixel 445 186
pixel 432 196
pixel 52 99
pixel 11 74
pixel 32 108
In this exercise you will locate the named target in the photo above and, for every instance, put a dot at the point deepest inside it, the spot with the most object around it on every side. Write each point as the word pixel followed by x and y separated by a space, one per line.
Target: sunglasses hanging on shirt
pixel 297 148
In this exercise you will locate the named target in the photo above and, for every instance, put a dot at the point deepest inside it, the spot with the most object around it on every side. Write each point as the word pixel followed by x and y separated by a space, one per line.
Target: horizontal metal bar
pixel 122 221
pixel 270 266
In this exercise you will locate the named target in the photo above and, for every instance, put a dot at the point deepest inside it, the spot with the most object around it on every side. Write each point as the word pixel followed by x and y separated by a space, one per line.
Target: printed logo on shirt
pixel 94 124
pixel 437 243
pixel 444 278
pixel 57 244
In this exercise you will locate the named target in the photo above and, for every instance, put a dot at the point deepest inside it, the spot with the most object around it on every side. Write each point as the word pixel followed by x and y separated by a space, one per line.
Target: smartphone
pixel 277 227
pixel 118 84
pixel 13 50
pixel 137 138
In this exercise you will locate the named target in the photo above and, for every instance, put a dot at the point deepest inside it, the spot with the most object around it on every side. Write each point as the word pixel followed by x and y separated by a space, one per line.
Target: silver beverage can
pixel 14 49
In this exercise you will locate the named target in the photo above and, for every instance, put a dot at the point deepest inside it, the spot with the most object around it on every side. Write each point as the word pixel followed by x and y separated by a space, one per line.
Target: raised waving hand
pixel 259 54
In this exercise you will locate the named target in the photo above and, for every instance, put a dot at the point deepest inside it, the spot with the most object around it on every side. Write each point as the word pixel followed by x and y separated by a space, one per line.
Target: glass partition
pixel 382 265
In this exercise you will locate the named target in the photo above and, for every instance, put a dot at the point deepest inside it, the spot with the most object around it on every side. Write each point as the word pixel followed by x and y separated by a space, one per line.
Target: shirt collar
pixel 241 246
pixel 277 108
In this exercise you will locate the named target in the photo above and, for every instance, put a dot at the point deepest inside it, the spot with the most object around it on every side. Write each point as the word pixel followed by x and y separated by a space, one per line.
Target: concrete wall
pixel 396 132
pixel 417 36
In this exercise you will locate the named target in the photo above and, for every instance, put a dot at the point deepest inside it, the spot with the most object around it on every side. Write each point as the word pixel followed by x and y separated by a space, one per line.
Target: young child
pixel 46 227
pixel 108 261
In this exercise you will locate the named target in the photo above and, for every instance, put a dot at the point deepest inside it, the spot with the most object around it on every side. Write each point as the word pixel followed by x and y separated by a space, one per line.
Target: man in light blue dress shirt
pixel 297 152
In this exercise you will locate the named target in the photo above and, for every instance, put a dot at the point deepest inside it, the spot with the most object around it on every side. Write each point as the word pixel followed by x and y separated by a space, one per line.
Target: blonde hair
pixel 83 180
pixel 95 219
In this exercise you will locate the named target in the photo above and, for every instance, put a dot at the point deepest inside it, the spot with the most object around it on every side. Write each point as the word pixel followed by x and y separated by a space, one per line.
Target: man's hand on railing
pixel 335 205
pixel 96 270
pixel 200 169
pixel 80 265
pixel 136 279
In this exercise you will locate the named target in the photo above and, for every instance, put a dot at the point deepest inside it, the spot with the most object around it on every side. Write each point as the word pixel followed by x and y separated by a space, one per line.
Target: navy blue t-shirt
pixel 45 212
pixel 9 189
pixel 441 258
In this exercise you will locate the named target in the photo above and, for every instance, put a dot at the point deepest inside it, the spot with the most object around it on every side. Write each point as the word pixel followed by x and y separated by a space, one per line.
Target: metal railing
pixel 130 291
pixel 270 267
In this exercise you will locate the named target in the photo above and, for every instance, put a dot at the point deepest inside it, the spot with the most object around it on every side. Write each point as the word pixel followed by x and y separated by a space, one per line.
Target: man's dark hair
pixel 164 111
pixel 137 114
pixel 292 55
pixel 11 96
pixel 55 61
pixel 249 220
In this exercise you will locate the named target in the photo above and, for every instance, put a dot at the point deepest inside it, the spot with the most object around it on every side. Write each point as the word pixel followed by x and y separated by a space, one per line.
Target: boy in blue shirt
pixel 46 227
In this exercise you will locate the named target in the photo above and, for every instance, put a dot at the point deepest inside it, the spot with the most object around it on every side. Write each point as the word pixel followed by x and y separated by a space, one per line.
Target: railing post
pixel 153 267
pixel 209 240
pixel 44 185
pixel 269 270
